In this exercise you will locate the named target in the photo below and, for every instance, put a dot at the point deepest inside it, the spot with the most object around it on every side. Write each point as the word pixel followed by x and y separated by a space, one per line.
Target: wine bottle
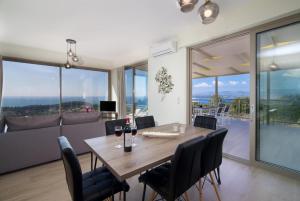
pixel 127 137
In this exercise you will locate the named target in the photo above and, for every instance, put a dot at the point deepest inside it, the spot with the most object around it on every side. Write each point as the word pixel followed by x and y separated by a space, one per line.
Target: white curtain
pixel 121 92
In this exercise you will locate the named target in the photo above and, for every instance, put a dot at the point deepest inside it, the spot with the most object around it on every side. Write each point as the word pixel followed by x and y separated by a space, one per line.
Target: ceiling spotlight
pixel 187 5
pixel 208 12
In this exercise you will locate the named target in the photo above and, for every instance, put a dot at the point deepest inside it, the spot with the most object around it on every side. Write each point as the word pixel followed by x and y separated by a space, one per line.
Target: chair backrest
pixel 72 169
pixel 221 105
pixel 206 122
pixel 226 110
pixel 212 154
pixel 110 125
pixel 144 122
pixel 219 111
pixel 186 166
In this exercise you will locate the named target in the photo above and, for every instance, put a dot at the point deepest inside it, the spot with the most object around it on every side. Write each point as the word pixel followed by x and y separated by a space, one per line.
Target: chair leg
pixel 124 196
pixel 186 195
pixel 120 196
pixel 95 165
pixel 219 178
pixel 144 193
pixel 215 186
pixel 200 190
pixel 153 196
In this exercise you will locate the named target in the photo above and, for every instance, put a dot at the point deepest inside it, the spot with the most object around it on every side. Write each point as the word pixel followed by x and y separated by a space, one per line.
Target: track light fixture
pixel 208 12
pixel 187 5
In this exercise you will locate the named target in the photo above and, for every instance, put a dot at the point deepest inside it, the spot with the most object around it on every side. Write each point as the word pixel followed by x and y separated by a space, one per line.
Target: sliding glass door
pixel 136 87
pixel 278 96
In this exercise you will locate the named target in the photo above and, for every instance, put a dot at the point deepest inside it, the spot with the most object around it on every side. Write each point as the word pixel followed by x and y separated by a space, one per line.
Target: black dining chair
pixel 144 122
pixel 172 180
pixel 96 185
pixel 208 122
pixel 110 125
pixel 110 130
pixel 212 156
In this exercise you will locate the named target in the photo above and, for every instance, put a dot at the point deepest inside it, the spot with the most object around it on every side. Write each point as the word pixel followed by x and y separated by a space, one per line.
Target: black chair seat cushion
pixel 100 184
pixel 158 179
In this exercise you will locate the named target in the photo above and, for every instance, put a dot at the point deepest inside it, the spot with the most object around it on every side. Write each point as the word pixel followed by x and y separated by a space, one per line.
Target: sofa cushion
pixel 79 117
pixel 31 122
pixel 2 124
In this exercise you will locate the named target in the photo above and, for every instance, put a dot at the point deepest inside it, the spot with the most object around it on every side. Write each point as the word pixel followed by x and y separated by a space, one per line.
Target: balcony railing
pixel 239 107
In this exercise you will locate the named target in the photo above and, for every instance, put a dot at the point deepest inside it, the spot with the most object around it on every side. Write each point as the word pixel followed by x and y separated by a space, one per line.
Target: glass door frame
pixel 253 31
pixel 255 138
pixel 190 72
pixel 134 67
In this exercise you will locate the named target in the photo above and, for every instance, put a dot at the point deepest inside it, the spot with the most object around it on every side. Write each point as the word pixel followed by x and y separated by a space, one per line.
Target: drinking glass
pixel 133 132
pixel 118 133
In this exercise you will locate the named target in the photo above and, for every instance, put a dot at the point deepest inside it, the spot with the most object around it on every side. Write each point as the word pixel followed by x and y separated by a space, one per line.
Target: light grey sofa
pixel 27 143
pixel 78 127
pixel 31 141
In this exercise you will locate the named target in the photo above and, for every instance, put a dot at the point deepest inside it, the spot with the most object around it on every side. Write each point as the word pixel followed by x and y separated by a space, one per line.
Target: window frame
pixel 60 66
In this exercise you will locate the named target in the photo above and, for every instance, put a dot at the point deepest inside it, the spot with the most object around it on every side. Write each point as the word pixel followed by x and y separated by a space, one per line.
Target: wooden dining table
pixel 149 152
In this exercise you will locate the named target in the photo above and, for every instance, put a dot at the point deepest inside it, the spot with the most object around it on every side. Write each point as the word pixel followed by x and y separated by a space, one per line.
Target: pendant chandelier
pixel 208 11
pixel 71 53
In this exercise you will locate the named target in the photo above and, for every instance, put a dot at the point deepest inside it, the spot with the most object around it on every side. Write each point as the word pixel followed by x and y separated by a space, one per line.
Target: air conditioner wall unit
pixel 163 48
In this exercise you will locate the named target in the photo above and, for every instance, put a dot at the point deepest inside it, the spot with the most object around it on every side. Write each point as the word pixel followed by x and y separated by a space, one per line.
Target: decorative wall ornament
pixel 164 81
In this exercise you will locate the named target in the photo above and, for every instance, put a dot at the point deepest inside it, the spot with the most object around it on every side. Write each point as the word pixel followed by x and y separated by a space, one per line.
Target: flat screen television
pixel 107 106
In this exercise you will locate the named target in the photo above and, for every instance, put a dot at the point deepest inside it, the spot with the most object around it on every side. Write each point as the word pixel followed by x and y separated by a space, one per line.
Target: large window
pixel 33 89
pixel 82 90
pixel 30 89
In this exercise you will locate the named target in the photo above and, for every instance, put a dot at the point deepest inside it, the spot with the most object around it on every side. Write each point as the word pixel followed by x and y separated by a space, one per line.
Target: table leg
pixel 92 160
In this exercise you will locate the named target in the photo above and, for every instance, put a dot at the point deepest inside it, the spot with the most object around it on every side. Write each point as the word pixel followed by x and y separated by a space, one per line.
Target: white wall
pixel 173 107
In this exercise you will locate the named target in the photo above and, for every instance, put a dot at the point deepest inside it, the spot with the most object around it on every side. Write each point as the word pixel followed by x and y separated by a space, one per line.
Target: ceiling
pixel 222 58
pixel 115 32
pixel 109 33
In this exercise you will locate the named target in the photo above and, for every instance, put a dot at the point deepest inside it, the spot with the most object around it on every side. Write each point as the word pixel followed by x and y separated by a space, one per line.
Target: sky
pixel 231 83
pixel 140 80
pixel 24 79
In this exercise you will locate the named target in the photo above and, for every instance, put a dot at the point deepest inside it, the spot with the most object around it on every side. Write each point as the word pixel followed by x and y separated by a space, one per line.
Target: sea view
pixel 26 101
pixel 20 106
